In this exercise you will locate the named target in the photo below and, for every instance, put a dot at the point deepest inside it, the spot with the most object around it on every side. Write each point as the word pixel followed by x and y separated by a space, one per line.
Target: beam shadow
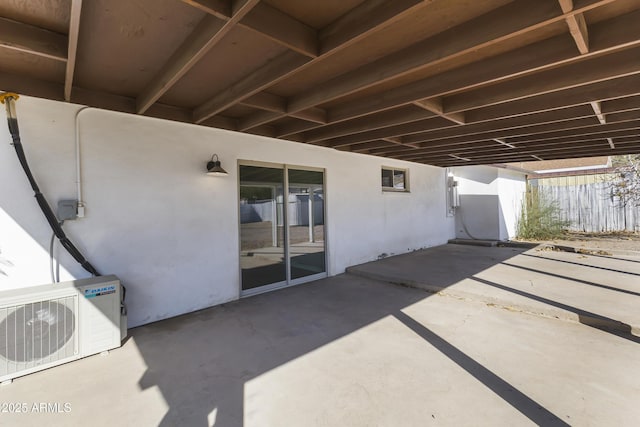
pixel 582 265
pixel 611 257
pixel 520 401
pixel 560 276
pixel 587 318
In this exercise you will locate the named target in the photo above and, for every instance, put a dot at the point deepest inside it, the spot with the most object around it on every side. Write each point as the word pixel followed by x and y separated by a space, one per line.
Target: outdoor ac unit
pixel 45 326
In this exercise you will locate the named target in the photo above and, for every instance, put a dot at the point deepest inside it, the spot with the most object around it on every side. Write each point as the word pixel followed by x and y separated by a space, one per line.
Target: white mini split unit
pixel 45 326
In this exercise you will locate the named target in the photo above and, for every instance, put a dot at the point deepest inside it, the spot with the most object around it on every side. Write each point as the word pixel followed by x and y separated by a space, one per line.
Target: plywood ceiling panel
pixel 124 44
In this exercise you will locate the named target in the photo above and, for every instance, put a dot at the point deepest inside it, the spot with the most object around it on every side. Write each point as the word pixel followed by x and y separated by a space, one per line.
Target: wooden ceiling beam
pixel 390 149
pixel 606 91
pixel 578 29
pixel 485 30
pixel 289 63
pixel 400 115
pixel 610 35
pixel 561 100
pixel 356 24
pixel 346 30
pixel 597 143
pixel 620 104
pixel 266 101
pixel 400 130
pixel 600 148
pixel 450 163
pixel 502 131
pixel 482 146
pixel 434 105
pixel 257 119
pixel 594 148
pixel 632 148
pixel 33 40
pixel 206 35
pixel 276 104
pixel 577 26
pixel 447 146
pixel 631 123
pixel 266 20
pixel 314 114
pixel 43 89
pixel 486 71
pixel 264 130
pixel 368 147
pixel 270 73
pixel 295 128
pixel 430 129
pixel 491 28
pixel 221 9
pixel 393 140
pixel 592 70
pixel 283 29
pixel 597 110
pixel 540 131
pixel 72 48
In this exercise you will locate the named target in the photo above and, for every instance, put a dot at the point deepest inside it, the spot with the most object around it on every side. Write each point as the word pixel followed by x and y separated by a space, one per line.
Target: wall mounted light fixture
pixel 214 168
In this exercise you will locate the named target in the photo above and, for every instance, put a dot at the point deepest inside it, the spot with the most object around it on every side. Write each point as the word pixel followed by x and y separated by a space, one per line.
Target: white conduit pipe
pixel 78 162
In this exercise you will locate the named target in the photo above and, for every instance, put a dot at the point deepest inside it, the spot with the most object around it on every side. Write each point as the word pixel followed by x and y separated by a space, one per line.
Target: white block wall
pixel 169 231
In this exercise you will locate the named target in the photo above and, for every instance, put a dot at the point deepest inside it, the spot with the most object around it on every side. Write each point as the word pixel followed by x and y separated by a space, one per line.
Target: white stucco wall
pixel 165 228
pixel 512 186
pixel 490 201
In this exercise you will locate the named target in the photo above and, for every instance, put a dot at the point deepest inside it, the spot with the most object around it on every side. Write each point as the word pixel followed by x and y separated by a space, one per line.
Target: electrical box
pixel 67 210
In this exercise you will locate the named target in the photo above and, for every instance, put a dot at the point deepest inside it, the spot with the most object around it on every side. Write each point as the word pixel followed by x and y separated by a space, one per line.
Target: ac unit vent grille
pixel 37 333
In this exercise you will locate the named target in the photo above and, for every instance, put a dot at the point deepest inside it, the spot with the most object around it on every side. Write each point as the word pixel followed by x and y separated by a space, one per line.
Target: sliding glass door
pixel 281 226
pixel 306 223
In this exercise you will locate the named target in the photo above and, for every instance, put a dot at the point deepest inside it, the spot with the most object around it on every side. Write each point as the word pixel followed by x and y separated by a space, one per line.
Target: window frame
pixel 393 169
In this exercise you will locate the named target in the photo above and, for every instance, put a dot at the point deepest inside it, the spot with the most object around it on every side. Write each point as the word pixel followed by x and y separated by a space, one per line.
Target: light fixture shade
pixel 214 168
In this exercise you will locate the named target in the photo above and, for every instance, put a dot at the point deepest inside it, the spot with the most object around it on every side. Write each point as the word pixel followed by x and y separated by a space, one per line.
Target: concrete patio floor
pixel 598 290
pixel 353 351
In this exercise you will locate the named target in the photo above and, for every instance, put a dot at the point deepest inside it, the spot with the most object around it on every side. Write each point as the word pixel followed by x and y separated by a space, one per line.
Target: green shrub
pixel 540 218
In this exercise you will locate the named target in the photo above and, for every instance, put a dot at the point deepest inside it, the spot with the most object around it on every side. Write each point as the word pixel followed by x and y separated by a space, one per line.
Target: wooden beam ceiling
pixel 206 35
pixel 491 84
pixel 286 65
pixel 32 40
pixel 577 26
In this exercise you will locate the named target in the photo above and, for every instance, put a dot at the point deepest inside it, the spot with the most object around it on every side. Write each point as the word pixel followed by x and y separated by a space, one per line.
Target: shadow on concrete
pixel 573 279
pixel 520 401
pixel 202 362
pixel 584 265
pixel 587 318
pixel 590 253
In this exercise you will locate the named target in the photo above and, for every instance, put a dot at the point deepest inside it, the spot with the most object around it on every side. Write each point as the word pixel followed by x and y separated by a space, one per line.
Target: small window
pixel 395 179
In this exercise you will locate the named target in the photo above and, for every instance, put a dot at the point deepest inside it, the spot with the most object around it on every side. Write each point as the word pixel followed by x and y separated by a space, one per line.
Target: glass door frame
pixel 288 282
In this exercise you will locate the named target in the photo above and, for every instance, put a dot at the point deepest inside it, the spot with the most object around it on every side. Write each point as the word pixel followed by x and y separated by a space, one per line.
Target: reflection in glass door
pixel 306 223
pixel 262 240
pixel 281 227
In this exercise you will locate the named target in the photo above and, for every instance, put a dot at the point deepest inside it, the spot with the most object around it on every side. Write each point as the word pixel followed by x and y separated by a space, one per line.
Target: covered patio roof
pixel 441 82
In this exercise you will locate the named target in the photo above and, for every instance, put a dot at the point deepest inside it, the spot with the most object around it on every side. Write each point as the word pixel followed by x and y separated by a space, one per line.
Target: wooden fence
pixel 586 201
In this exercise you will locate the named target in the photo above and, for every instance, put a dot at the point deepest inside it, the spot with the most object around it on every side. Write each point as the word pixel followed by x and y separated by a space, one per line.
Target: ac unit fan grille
pixel 37 333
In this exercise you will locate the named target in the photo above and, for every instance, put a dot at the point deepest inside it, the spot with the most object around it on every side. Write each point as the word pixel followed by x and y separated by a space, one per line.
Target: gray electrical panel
pixel 67 210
